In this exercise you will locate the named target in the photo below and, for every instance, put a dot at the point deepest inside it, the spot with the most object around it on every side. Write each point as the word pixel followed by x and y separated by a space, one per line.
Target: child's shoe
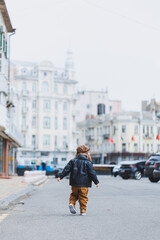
pixel 83 212
pixel 72 209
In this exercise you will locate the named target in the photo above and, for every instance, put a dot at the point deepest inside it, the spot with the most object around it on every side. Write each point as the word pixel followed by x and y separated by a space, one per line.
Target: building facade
pixel 92 103
pixel 10 136
pixel 121 136
pixel 47 110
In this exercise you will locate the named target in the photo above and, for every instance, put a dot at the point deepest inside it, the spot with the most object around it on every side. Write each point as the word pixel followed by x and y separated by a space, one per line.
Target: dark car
pixel 132 169
pixel 156 171
pixel 149 167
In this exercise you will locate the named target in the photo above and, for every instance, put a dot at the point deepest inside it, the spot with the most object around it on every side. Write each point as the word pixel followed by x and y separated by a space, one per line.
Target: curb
pixel 39 182
pixel 14 199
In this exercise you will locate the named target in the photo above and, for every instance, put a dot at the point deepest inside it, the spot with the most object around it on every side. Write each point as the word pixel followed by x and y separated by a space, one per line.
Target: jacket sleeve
pixel 66 170
pixel 92 173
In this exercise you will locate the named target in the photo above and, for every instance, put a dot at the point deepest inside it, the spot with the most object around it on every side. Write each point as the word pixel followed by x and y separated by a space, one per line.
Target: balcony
pixel 3 84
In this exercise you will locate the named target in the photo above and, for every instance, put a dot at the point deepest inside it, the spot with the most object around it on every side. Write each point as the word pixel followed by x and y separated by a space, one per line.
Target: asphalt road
pixel 117 210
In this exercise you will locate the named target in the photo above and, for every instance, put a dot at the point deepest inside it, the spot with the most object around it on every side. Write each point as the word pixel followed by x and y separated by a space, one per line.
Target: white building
pixel 10 137
pixel 47 110
pixel 118 136
pixel 92 103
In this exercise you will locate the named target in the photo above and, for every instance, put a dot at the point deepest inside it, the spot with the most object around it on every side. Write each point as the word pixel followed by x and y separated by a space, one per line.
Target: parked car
pixel 132 169
pixel 149 167
pixel 156 171
pixel 115 171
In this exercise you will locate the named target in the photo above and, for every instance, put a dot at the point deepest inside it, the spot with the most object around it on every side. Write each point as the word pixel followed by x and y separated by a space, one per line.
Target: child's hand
pixel 58 179
pixel 97 185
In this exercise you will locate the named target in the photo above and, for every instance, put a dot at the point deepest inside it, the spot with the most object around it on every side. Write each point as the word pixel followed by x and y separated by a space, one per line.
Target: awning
pixel 10 138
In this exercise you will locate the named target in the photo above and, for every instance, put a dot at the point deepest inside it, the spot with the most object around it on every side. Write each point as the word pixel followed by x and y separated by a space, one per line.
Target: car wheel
pixel 138 175
pixel 152 179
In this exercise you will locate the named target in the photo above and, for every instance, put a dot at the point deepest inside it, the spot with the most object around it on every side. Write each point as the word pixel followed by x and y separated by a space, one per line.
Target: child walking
pixel 82 174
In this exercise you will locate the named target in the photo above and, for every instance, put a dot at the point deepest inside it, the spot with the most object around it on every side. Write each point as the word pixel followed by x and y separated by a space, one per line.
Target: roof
pixel 5 15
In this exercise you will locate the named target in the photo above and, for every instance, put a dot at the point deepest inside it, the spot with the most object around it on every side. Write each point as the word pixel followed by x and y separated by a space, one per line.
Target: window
pixel 123 128
pixel 64 141
pixel 33 140
pixel 143 129
pixel 55 141
pixel 34 122
pixel 56 106
pixel 55 88
pixel 24 86
pixel 46 105
pixel 24 103
pixel 1 42
pixel 24 153
pixel 23 121
pixel 65 106
pixel 45 154
pixel 45 74
pixel 65 90
pixel 46 122
pixel 45 87
pixel 123 147
pixel 34 87
pixel 135 147
pixel 24 140
pixel 101 109
pixel 34 103
pixel 46 140
pixel 64 123
pixel 63 159
pixel 56 123
pixel 135 129
pixel 147 147
pixel 151 147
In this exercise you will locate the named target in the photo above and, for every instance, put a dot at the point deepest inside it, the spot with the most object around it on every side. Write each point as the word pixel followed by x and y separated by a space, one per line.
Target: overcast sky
pixel 115 43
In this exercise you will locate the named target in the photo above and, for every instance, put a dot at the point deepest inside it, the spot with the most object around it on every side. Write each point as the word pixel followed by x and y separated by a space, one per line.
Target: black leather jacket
pixel 81 172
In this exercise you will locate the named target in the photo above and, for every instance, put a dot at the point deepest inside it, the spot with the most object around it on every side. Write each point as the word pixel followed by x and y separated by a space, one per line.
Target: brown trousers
pixel 80 194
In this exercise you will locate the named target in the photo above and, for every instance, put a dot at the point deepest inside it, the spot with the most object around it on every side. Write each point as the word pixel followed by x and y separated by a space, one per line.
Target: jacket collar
pixel 83 157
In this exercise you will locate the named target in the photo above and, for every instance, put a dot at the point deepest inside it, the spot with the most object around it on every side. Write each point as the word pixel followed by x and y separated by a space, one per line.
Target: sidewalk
pixel 15 188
